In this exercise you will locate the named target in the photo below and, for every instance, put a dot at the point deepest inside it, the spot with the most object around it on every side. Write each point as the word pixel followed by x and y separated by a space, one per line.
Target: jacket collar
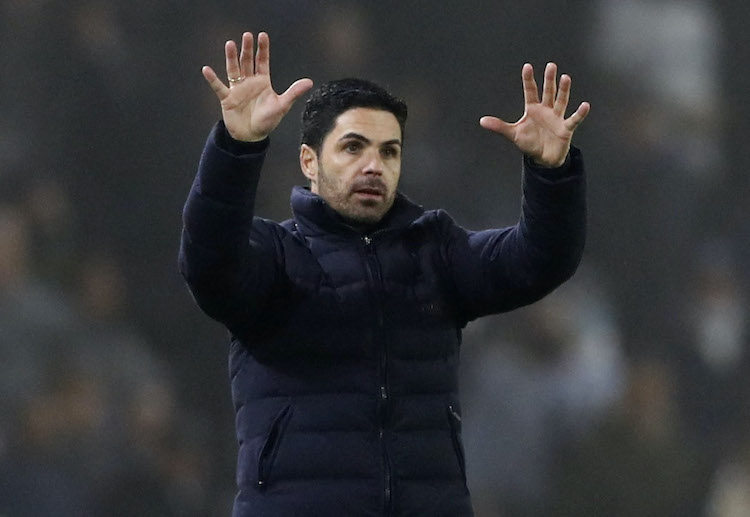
pixel 314 217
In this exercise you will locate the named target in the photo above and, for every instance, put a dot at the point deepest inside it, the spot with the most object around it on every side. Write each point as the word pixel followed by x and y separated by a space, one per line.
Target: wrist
pixel 541 164
pixel 249 139
pixel 245 139
pixel 238 146
pixel 548 165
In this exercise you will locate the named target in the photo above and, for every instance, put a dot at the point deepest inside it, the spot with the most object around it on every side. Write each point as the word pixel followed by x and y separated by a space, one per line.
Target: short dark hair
pixel 333 98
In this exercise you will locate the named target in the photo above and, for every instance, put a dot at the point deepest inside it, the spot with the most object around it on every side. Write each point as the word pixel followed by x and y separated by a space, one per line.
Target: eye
pixel 352 147
pixel 390 152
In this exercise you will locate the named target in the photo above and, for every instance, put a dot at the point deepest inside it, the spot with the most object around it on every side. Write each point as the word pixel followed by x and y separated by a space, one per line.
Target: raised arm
pixel 228 258
pixel 498 270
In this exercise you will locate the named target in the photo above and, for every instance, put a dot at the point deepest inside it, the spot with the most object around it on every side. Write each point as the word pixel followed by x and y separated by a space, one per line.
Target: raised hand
pixel 249 105
pixel 543 132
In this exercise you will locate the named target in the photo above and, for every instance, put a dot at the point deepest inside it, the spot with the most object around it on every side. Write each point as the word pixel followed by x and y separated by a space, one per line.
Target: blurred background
pixel 625 393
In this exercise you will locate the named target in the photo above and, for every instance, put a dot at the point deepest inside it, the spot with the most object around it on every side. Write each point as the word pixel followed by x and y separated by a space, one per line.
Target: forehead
pixel 374 124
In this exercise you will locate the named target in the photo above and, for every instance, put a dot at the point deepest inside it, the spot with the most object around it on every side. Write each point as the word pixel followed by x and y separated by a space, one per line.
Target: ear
pixel 308 162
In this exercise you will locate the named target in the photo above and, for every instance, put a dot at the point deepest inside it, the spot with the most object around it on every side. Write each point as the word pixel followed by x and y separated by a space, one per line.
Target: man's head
pixel 352 135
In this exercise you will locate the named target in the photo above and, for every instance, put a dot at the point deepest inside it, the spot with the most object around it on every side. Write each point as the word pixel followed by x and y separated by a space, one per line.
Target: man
pixel 346 320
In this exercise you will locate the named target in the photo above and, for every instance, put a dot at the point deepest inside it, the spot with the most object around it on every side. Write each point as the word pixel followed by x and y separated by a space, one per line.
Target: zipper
pixel 376 281
pixel 455 423
pixel 271 446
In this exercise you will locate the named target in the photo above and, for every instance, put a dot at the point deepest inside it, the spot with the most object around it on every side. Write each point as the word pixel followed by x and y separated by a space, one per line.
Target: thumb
pixel 498 126
pixel 292 93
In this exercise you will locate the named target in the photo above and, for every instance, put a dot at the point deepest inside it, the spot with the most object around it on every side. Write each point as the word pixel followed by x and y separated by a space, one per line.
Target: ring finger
pixel 233 65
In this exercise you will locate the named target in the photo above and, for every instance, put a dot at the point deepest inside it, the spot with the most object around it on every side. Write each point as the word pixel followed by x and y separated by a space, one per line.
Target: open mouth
pixel 370 193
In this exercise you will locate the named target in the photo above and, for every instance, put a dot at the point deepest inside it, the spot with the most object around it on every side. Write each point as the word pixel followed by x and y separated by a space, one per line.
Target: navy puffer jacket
pixel 345 346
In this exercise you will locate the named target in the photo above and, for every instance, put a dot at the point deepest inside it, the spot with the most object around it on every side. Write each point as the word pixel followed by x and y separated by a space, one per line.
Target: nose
pixel 373 164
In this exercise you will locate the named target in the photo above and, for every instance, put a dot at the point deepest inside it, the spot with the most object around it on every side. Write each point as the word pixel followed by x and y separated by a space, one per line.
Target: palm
pixel 542 135
pixel 543 132
pixel 253 106
pixel 250 107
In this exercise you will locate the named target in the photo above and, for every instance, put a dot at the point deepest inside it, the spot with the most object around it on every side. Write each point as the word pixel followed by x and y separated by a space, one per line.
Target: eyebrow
pixel 365 140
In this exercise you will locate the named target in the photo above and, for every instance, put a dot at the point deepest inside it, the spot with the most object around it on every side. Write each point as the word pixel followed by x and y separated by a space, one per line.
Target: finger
pixel 215 83
pixel 499 126
pixel 262 60
pixel 298 88
pixel 530 91
pixel 247 63
pixel 576 118
pixel 550 84
pixel 563 95
pixel 233 66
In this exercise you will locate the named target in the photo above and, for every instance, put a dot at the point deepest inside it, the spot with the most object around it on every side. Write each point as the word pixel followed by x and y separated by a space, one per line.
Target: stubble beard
pixel 344 200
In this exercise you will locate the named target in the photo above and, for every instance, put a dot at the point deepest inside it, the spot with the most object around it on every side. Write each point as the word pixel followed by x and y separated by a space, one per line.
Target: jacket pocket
pixel 455 423
pixel 270 447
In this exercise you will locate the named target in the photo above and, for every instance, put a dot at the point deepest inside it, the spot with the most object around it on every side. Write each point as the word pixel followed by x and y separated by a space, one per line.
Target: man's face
pixel 359 165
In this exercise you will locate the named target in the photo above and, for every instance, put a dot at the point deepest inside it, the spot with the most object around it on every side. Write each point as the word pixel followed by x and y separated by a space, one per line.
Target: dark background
pixel 626 392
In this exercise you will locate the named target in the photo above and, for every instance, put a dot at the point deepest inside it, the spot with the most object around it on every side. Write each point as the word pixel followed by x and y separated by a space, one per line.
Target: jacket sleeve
pixel 498 270
pixel 228 258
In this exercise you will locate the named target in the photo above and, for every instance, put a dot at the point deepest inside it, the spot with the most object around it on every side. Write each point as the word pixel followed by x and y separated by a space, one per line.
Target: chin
pixel 366 217
pixel 367 212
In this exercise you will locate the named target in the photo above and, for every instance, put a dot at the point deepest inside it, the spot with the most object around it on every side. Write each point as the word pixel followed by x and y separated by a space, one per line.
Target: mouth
pixel 368 193
pixel 373 192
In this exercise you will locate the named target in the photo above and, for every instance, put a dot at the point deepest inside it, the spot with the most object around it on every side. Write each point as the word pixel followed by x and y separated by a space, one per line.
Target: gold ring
pixel 235 81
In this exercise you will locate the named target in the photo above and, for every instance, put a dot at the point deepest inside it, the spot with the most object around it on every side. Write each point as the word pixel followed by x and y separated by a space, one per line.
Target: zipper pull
pixel 367 239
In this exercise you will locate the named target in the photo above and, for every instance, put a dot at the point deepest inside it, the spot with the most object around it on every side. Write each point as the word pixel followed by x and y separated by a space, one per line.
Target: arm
pixel 501 269
pixel 498 270
pixel 229 259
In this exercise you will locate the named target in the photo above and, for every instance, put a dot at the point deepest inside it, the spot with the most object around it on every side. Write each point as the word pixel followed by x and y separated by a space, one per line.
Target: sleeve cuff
pixel 551 174
pixel 225 142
